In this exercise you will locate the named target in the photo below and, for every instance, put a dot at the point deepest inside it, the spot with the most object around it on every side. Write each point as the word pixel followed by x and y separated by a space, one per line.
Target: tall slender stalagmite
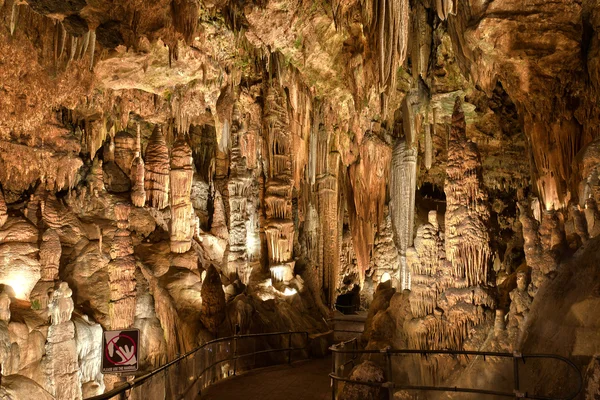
pixel 239 186
pixel 404 183
pixel 138 193
pixel 182 212
pixel 467 213
pixel 121 273
pixel 278 197
pixel 156 180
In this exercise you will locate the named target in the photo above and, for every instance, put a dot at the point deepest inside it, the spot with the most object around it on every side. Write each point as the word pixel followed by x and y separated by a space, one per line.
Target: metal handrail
pixel 516 356
pixel 143 378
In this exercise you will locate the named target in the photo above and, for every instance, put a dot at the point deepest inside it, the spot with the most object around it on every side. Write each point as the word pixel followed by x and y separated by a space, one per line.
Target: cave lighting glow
pixel 19 283
pixel 385 277
pixel 289 291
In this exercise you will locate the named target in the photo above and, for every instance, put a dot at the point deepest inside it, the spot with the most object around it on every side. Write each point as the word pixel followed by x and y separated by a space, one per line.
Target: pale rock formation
pixel 125 148
pixel 278 198
pixel 404 181
pixel 592 217
pixel 61 218
pixel 385 259
pixel 138 192
pixel 95 179
pixel 444 8
pixel 467 212
pixel 50 252
pixel 240 203
pixel 61 360
pixel 89 355
pixel 121 273
pixel 156 180
pixel 5 342
pixel 182 212
pixel 152 336
pixel 19 264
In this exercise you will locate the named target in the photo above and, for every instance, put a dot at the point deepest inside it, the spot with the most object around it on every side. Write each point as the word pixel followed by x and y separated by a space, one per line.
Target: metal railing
pixel 186 376
pixel 346 353
pixel 347 309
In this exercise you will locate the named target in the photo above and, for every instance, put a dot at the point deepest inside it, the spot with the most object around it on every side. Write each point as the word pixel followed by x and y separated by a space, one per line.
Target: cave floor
pixel 303 380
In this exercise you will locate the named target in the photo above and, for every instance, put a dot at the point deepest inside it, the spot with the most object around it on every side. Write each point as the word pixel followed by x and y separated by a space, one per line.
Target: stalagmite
pixel 60 361
pixel 157 170
pixel 428 147
pixel 50 252
pixel 404 182
pixel 467 214
pixel 3 209
pixel 138 193
pixel 121 272
pixel 125 148
pixel 182 212
pixel 278 197
pixel 239 193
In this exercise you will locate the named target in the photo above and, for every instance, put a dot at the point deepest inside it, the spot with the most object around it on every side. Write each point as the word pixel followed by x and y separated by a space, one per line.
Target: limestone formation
pixel 50 251
pixel 467 213
pixel 156 179
pixel 213 300
pixel 182 213
pixel 404 181
pixel 60 361
pixel 519 305
pixel 138 169
pixel 3 209
pixel 121 272
pixel 278 197
pixel 125 148
pixel 240 203
pixel 96 178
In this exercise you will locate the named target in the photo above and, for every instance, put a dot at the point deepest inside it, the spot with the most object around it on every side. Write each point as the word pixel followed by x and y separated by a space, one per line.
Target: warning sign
pixel 120 351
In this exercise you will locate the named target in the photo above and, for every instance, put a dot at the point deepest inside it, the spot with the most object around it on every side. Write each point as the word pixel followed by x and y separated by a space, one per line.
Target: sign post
pixel 120 351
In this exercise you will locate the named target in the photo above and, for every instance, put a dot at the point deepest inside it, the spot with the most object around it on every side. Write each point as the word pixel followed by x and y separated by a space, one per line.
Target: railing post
pixel 333 373
pixel 235 348
pixel 517 390
pixel 388 359
pixel 290 348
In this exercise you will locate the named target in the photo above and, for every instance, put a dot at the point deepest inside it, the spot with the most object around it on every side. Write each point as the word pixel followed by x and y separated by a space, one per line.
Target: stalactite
pixel 402 193
pixel 121 272
pixel 156 180
pixel 182 212
pixel 92 48
pixel 445 7
pixel 14 15
pixel 421 41
pixel 138 193
pixel 388 27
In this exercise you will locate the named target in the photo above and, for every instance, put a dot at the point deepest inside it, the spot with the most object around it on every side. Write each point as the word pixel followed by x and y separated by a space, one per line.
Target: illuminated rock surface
pixel 188 166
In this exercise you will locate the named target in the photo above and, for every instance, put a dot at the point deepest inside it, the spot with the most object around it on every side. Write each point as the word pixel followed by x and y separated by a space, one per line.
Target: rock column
pixel 60 361
pixel 182 212
pixel 278 197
